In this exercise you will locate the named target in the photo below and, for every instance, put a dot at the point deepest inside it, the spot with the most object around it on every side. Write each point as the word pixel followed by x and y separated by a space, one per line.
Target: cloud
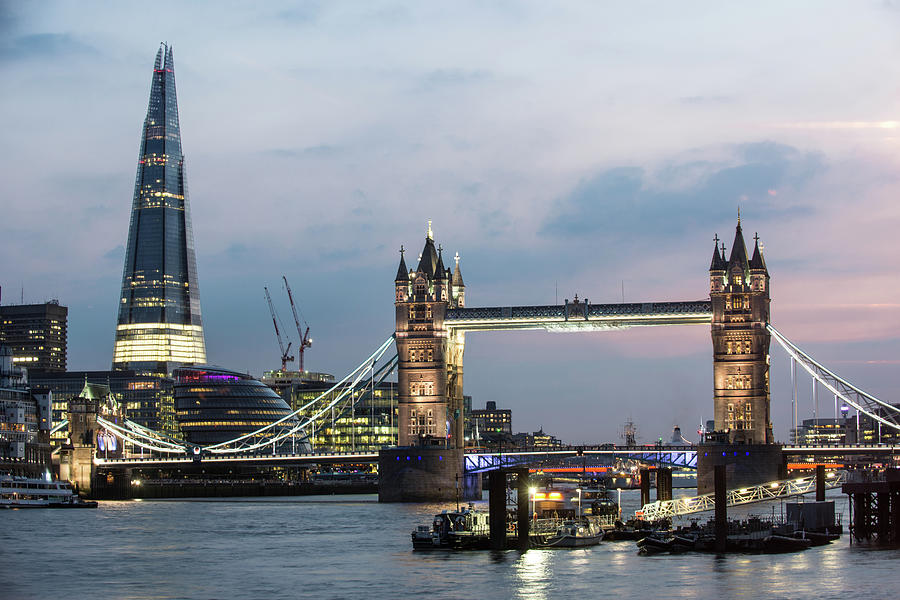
pixel 672 197
pixel 44 45
pixel 318 151
pixel 439 79
pixel 706 100
pixel 116 254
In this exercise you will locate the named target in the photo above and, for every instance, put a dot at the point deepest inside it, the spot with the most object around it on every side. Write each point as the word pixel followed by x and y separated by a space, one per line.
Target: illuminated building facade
pixel 24 422
pixel 159 326
pixel 35 334
pixel 824 431
pixel 430 368
pixel 368 424
pixel 214 405
pixel 146 399
pixel 491 424
pixel 739 291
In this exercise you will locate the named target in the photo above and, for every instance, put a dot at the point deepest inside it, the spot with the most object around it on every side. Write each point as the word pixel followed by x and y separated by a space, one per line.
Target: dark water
pixel 353 547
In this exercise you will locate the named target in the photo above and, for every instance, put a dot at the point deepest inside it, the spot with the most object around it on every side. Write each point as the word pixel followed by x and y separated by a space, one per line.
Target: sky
pixel 560 148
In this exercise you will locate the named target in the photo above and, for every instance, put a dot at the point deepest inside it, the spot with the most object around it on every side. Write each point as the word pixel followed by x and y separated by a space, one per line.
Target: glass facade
pixel 214 405
pixel 159 326
pixel 147 399
pixel 366 424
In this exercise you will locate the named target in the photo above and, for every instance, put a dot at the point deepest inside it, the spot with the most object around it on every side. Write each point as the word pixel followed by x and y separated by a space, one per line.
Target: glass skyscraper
pixel 159 326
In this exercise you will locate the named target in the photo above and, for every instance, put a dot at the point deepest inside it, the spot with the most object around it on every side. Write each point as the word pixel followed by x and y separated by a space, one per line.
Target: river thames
pixel 354 547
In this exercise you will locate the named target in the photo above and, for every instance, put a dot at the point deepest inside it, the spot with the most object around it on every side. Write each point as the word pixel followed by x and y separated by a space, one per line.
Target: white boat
pixel 27 492
pixel 575 534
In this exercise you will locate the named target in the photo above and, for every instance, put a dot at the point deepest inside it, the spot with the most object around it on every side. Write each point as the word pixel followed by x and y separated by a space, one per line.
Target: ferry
pixel 26 492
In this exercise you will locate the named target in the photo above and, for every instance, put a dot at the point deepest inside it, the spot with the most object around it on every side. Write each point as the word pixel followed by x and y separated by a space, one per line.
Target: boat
pixel 28 492
pixel 817 538
pixel 461 529
pixel 655 544
pixel 574 534
pixel 775 544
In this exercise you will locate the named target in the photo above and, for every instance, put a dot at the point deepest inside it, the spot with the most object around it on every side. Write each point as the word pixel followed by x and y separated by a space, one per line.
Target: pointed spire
pixel 439 269
pixel 402 271
pixel 738 250
pixel 717 263
pixel 457 274
pixel 428 259
pixel 758 262
pixel 429 234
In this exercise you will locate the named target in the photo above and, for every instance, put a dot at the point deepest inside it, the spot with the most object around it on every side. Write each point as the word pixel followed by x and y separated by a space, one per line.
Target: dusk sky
pixel 560 148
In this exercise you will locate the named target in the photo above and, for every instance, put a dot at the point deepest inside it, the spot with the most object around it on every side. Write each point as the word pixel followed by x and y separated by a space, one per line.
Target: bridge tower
pixel 739 291
pixel 430 372
pixel 742 440
pixel 428 464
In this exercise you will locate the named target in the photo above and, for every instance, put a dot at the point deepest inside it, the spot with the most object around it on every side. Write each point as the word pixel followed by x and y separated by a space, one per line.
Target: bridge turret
pixel 402 280
pixel 458 288
pixel 759 274
pixel 717 267
pixel 740 312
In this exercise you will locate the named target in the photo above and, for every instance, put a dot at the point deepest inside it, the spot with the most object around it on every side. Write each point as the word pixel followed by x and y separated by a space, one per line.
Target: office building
pixel 35 334
pixel 146 399
pixel 159 326
pixel 214 405
pixel 24 422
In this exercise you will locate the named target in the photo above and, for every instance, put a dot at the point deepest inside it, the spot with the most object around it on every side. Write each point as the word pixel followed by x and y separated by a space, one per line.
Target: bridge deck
pixel 582 316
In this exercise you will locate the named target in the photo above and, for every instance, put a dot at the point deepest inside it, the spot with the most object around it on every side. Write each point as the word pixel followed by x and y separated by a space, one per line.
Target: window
pixel 430 355
pixel 428 312
pixel 737 382
pixel 412 312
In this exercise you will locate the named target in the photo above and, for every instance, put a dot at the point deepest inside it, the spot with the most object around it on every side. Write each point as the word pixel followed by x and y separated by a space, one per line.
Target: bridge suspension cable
pixel 869 405
pixel 287 426
pixel 352 386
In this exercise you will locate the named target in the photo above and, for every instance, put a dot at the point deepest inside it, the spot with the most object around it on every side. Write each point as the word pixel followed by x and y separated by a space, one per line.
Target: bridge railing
pixel 748 495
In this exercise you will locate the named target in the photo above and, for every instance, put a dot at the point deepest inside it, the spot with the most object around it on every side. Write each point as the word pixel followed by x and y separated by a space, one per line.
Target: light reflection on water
pixel 533 574
pixel 353 547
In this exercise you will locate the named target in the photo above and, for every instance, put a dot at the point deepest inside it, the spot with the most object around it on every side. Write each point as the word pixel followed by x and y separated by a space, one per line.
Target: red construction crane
pixel 285 358
pixel 305 340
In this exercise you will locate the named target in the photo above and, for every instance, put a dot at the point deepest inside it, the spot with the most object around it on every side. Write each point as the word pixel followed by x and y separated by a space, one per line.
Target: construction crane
pixel 305 340
pixel 285 357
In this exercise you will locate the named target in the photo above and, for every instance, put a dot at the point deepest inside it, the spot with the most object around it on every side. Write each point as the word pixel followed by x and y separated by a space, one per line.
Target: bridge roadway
pixel 477 460
pixel 580 316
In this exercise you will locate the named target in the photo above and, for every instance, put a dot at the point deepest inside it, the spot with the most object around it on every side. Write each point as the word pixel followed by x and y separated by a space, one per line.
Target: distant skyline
pixel 559 149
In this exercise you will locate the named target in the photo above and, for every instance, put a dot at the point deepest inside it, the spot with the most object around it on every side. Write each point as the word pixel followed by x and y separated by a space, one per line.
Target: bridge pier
pixel 425 474
pixel 746 465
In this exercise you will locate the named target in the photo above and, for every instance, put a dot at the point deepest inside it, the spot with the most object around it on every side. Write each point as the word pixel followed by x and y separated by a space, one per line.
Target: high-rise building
pixel 35 334
pixel 159 326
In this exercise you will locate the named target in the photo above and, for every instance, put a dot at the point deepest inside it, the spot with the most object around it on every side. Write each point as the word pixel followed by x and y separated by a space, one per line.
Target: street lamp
pixel 533 492
pixel 579 502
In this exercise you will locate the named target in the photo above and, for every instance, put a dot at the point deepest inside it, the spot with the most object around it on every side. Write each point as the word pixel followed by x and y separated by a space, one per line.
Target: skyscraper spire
pixel 159 325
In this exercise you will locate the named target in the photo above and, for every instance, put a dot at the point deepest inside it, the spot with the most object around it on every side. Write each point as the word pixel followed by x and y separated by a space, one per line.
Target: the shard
pixel 159 326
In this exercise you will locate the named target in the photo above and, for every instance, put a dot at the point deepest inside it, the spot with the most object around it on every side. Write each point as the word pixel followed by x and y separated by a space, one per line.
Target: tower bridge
pixel 431 322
